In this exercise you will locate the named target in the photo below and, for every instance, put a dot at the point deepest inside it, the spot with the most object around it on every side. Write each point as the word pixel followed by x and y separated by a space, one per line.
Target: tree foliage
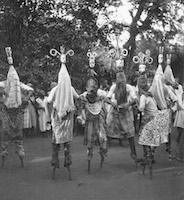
pixel 33 27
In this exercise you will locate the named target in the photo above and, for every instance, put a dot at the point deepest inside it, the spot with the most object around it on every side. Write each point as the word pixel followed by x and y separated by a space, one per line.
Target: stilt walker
pixel 92 99
pixel 11 111
pixel 165 98
pixel 62 96
pixel 121 120
pixel 144 59
pixel 172 85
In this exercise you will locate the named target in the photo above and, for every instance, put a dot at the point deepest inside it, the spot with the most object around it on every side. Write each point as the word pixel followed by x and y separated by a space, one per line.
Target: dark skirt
pixel 180 149
pixel 11 125
pixel 11 122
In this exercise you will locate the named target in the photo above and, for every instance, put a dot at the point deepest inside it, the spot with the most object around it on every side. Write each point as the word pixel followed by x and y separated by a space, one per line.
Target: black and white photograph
pixel 91 99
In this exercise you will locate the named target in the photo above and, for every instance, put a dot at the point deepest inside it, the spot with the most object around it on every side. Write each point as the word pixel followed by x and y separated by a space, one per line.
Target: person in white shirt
pixel 41 101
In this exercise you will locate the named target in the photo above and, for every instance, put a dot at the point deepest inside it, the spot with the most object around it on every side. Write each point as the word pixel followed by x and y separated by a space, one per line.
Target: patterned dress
pixel 155 124
pixel 11 122
pixel 11 129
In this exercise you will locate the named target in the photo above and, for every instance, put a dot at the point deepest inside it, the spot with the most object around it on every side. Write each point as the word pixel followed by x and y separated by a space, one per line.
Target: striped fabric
pixel 12 89
pixel 27 121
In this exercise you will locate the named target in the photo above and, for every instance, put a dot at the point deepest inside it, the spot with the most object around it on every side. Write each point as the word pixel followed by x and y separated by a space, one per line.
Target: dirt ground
pixel 119 179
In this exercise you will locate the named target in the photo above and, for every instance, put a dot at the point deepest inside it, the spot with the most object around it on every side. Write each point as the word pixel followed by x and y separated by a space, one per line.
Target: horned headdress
pixel 119 55
pixel 142 59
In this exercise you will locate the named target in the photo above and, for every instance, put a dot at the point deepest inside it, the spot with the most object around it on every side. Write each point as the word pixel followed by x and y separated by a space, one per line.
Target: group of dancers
pixel 106 112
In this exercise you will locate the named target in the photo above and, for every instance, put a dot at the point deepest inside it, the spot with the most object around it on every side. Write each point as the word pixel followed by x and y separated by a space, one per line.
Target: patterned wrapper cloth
pixel 11 114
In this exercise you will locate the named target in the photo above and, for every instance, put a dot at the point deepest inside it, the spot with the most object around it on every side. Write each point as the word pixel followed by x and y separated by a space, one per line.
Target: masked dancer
pixel 154 124
pixel 121 121
pixel 93 104
pixel 95 132
pixel 62 117
pixel 165 98
pixel 11 110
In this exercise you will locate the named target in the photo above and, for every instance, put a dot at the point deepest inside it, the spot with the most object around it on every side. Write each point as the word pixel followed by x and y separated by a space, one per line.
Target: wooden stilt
pixel 101 163
pixel 150 170
pixel 53 173
pixel 89 165
pixel 69 173
pixel 22 161
pixel 3 160
pixel 170 157
pixel 143 170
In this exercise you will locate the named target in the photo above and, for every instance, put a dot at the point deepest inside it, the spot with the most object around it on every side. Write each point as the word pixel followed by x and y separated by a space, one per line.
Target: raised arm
pixel 75 94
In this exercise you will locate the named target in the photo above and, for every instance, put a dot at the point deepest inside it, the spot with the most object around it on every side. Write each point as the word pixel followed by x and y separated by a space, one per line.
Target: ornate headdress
pixel 91 55
pixel 9 55
pixel 62 54
pixel 142 59
pixel 118 54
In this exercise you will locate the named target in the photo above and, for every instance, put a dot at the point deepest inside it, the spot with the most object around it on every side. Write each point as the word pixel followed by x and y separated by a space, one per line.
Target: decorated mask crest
pixel 142 59
pixel 118 54
pixel 9 55
pixel 62 55
pixel 92 56
pixel 168 61
pixel 161 56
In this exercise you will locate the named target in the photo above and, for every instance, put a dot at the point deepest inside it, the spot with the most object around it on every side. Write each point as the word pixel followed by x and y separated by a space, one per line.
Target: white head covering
pixel 64 102
pixel 12 89
pixel 168 74
pixel 157 88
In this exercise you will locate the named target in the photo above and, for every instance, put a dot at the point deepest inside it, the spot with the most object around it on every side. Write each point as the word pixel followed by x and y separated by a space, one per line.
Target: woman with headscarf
pixel 62 118
pixel 11 112
pixel 121 122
